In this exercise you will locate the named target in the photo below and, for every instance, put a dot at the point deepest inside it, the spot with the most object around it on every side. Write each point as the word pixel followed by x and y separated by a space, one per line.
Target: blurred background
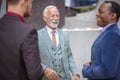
pixel 78 18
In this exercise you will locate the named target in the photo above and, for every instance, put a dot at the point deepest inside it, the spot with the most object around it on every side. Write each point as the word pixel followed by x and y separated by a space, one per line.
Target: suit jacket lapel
pixel 61 40
pixel 47 41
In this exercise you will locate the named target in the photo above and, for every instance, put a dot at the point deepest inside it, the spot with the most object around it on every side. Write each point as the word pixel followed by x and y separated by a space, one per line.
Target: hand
pixel 87 63
pixel 51 74
pixel 76 77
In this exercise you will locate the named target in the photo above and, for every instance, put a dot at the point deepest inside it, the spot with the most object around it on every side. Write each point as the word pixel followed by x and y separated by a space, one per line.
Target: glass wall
pixel 79 3
pixel 78 6
pixel 85 2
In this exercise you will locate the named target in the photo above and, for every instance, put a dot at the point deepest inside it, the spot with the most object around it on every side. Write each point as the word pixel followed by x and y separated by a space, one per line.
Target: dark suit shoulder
pixel 15 29
pixel 14 22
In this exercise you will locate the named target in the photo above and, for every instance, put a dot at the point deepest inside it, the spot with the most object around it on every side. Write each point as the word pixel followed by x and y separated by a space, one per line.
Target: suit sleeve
pixel 72 65
pixel 110 52
pixel 31 57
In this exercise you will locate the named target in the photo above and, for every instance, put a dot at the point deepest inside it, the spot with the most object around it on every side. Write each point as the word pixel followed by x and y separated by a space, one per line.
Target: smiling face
pixel 104 15
pixel 52 17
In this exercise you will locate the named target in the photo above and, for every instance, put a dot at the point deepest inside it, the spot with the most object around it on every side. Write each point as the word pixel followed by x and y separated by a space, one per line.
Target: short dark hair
pixel 115 7
pixel 12 2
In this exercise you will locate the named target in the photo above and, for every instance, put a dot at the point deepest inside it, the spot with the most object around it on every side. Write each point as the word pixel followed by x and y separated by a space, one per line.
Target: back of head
pixel 21 7
pixel 12 2
pixel 115 8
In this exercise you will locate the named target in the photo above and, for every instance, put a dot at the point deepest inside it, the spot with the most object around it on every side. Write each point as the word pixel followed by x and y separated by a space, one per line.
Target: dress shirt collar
pixel 17 15
pixel 106 27
pixel 50 30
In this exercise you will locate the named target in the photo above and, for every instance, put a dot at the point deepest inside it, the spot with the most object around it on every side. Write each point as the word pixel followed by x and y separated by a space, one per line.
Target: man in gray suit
pixel 56 56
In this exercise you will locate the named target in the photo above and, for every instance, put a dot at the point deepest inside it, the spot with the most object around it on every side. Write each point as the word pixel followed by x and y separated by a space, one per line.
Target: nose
pixel 56 17
pixel 97 14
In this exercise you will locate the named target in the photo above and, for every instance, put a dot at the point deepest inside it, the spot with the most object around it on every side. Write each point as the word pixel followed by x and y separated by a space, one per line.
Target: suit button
pixel 59 65
pixel 53 49
pixel 55 65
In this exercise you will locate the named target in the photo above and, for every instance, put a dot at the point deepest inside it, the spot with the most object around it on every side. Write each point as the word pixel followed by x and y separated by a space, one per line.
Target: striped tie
pixel 54 38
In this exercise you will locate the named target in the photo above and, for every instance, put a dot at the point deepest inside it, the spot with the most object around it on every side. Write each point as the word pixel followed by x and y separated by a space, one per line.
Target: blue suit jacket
pixel 45 49
pixel 105 56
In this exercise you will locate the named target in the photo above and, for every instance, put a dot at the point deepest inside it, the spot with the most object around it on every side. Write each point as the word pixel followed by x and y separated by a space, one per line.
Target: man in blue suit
pixel 105 56
pixel 55 53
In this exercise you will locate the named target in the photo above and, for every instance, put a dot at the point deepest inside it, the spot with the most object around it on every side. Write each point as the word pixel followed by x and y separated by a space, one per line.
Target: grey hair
pixel 47 8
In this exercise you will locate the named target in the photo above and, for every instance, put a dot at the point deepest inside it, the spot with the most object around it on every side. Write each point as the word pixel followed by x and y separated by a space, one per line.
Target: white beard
pixel 52 24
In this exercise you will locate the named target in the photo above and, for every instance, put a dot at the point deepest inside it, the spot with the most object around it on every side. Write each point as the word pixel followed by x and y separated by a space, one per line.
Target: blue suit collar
pixel 112 27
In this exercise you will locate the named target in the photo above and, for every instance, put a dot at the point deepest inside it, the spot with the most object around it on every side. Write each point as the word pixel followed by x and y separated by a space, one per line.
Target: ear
pixel 114 16
pixel 44 18
pixel 22 3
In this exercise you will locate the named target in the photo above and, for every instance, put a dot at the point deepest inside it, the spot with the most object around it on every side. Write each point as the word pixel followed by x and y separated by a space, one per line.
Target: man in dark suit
pixel 19 54
pixel 105 57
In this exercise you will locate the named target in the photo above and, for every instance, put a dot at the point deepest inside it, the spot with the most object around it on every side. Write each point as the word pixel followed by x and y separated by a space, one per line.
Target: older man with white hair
pixel 56 55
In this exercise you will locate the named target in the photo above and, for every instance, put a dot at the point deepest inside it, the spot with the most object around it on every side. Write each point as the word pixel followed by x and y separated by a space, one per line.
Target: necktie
pixel 54 38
